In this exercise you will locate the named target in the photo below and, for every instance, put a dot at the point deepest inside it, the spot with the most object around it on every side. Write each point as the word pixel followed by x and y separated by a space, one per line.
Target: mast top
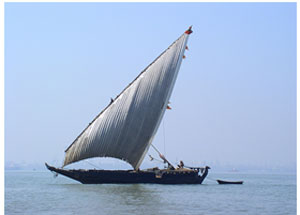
pixel 189 31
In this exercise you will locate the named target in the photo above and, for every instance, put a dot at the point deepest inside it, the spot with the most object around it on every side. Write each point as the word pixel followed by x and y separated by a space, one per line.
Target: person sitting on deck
pixel 181 165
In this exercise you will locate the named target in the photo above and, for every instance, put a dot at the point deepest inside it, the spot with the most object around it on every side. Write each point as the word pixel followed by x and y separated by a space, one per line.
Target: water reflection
pixel 39 193
pixel 115 197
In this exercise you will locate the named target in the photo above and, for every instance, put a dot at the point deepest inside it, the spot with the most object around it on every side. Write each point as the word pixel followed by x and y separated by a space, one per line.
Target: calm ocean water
pixel 40 193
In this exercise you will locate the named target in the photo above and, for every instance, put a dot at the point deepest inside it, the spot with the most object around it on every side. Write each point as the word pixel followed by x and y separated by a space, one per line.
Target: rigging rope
pixel 92 164
pixel 164 137
pixel 210 179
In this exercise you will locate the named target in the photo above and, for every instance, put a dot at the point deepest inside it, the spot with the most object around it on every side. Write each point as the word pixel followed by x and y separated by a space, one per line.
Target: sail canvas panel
pixel 125 129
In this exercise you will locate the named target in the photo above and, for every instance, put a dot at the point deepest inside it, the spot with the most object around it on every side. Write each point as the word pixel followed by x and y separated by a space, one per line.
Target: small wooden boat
pixel 229 182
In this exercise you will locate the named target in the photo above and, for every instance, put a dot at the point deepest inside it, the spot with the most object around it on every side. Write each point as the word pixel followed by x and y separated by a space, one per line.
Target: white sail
pixel 127 126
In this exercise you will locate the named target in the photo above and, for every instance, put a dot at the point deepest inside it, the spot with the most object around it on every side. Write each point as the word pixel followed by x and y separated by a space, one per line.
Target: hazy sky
pixel 234 101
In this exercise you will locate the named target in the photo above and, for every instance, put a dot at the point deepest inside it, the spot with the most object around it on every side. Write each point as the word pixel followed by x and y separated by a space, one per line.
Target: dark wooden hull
pixel 229 182
pixel 133 177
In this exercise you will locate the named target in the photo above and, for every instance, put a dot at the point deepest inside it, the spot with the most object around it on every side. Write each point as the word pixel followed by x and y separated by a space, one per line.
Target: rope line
pixel 164 137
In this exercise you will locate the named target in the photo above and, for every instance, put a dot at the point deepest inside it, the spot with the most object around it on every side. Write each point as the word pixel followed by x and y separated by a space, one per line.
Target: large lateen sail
pixel 126 127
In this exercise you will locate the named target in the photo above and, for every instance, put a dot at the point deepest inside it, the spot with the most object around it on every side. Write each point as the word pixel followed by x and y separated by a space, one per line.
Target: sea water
pixel 40 193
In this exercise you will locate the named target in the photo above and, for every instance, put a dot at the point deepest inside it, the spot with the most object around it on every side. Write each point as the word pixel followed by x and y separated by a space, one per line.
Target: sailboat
pixel 126 127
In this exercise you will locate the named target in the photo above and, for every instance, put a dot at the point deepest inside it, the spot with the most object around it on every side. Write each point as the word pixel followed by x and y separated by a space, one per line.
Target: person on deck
pixel 181 164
